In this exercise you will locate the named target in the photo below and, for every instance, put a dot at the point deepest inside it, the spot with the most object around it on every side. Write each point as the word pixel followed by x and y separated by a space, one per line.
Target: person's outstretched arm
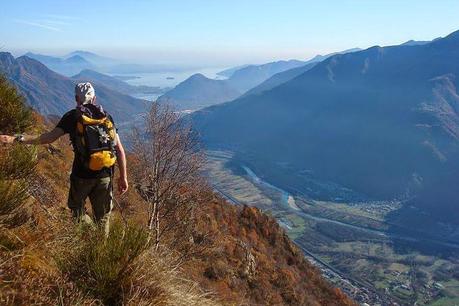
pixel 45 138
pixel 121 159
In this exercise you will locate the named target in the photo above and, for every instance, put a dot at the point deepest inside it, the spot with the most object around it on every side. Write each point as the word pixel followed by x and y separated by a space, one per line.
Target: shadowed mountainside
pixel 383 122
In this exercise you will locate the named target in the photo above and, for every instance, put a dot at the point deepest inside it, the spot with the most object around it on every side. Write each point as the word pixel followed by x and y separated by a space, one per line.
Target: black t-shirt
pixel 68 124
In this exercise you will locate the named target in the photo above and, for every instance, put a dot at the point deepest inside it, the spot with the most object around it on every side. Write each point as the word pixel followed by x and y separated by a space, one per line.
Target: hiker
pixel 97 147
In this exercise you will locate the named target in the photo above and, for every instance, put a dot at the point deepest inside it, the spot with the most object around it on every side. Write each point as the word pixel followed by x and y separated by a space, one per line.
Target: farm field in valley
pixel 353 238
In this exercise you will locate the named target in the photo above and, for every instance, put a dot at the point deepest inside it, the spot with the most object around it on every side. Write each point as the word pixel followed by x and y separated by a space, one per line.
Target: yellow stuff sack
pixel 101 159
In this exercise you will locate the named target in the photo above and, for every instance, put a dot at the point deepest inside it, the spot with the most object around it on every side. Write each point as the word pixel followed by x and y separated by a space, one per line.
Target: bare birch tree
pixel 167 168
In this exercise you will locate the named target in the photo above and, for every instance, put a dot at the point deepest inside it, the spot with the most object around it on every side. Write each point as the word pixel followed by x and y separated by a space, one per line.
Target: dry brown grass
pixel 46 259
pixel 78 265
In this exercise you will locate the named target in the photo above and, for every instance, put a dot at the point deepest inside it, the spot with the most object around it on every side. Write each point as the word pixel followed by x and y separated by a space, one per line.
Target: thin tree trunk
pixel 157 230
pixel 151 216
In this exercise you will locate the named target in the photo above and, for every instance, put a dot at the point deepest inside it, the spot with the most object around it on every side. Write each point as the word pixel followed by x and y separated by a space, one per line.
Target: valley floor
pixel 373 261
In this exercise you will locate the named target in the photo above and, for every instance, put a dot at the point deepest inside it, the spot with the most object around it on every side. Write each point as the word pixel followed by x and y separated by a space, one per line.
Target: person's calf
pixel 79 215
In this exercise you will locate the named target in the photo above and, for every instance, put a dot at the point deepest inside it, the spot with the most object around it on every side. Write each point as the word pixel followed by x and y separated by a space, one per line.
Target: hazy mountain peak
pixel 198 76
pixel 199 91
pixel 86 72
pixel 30 54
pixel 6 56
pixel 76 59
pixel 81 53
pixel 94 58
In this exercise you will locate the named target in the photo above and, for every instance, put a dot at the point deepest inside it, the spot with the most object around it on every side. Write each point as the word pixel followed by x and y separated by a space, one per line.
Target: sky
pixel 218 32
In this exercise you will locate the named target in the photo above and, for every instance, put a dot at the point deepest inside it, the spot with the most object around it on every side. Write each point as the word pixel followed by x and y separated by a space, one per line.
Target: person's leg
pixel 101 197
pixel 79 191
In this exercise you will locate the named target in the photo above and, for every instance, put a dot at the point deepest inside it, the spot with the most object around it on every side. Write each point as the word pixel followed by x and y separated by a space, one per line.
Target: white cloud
pixel 61 17
pixel 38 25
pixel 54 22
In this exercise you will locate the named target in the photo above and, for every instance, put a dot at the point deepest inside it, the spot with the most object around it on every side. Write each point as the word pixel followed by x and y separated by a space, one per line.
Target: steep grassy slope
pixel 253 259
pixel 239 255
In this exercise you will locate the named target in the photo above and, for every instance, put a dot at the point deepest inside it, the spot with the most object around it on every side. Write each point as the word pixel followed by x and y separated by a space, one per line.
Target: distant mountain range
pixel 320 58
pixel 50 93
pixel 199 91
pixel 229 72
pixel 418 42
pixel 250 76
pixel 98 60
pixel 76 61
pixel 382 122
pixel 246 77
pixel 287 75
pixel 67 65
pixel 115 83
pixel 280 78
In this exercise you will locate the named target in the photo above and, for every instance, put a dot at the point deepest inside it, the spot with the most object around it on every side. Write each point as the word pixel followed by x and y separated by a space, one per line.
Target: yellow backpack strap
pixel 90 121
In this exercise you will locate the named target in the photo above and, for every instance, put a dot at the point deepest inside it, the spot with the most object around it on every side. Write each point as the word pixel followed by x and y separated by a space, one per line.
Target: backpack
pixel 95 137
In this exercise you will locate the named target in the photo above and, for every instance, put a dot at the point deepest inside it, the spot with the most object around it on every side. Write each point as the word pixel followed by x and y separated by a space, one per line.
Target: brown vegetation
pixel 218 254
pixel 165 170
pixel 254 262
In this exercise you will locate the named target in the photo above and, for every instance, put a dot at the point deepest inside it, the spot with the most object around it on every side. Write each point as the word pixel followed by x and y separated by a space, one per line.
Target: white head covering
pixel 85 92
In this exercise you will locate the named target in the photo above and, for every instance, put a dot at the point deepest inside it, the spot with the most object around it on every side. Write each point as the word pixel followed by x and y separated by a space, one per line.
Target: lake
pixel 170 79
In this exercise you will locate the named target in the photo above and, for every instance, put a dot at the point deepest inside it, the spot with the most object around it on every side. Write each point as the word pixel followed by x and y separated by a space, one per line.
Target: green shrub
pixel 15 116
pixel 124 268
pixel 12 197
pixel 101 266
pixel 17 162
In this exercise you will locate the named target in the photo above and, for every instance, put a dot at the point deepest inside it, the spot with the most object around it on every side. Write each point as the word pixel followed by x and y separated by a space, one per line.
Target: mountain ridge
pixel 114 83
pixel 199 91
pixel 250 76
pixel 247 77
pixel 53 94
pixel 64 65
pixel 96 59
pixel 397 121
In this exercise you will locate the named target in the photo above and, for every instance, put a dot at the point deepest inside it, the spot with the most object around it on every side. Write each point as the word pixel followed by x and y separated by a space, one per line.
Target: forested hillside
pixel 219 254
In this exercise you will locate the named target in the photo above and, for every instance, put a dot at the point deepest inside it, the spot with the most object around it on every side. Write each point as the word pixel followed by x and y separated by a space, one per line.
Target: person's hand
pixel 6 139
pixel 122 185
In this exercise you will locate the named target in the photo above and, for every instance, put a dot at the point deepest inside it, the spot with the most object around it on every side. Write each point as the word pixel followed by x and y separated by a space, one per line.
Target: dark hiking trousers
pixel 100 193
